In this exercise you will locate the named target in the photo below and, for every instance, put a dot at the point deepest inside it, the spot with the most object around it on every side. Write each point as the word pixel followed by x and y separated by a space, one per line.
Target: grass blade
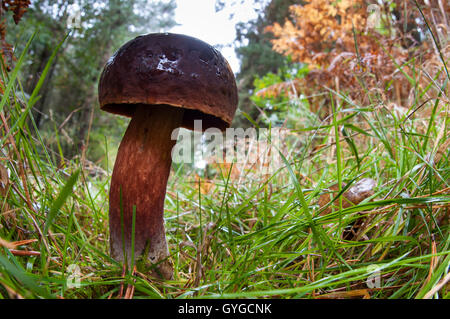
pixel 65 192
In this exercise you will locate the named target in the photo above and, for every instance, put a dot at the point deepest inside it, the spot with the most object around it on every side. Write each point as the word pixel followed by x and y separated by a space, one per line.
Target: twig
pixel 130 288
pixel 16 252
pixel 436 288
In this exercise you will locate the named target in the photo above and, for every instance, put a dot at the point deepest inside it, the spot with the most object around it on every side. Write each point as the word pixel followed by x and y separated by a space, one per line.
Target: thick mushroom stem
pixel 139 180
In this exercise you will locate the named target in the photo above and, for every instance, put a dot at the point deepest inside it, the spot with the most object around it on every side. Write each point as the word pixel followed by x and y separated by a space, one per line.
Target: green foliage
pixel 68 98
pixel 243 236
pixel 60 199
pixel 255 53
pixel 278 106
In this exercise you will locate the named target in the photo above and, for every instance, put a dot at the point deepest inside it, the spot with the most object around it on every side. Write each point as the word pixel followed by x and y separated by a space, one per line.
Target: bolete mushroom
pixel 162 81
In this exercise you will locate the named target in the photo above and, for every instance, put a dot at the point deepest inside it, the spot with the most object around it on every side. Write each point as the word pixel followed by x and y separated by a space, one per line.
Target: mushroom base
pixel 138 183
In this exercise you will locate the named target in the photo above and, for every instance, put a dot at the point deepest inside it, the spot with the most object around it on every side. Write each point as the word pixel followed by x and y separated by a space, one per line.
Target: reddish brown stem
pixel 139 179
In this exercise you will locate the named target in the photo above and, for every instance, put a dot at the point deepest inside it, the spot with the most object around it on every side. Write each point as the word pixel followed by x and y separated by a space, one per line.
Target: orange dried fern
pixel 18 8
pixel 320 28
pixel 340 42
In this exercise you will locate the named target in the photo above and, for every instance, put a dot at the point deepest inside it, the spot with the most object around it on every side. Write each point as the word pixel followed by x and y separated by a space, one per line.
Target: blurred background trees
pixel 95 30
pixel 254 49
pixel 365 51
pixel 292 56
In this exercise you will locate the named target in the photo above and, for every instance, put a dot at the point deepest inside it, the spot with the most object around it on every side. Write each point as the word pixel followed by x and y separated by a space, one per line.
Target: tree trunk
pixel 31 84
pixel 88 106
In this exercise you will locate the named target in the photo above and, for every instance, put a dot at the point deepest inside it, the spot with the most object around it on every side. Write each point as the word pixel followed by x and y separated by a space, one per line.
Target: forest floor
pixel 237 233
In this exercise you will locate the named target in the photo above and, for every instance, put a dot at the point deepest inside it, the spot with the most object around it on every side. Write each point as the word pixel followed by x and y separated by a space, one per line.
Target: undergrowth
pixel 236 236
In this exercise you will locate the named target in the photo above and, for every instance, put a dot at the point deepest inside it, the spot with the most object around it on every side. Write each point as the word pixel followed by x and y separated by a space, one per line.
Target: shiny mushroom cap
pixel 174 70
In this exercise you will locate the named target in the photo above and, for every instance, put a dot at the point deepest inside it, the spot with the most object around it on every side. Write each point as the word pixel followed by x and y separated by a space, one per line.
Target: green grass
pixel 243 237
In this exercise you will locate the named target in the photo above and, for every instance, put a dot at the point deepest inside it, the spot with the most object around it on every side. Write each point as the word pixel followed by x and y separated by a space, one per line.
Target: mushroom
pixel 162 81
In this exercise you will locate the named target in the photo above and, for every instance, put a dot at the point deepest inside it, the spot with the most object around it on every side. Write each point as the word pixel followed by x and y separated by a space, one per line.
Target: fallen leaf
pixel 4 180
pixel 6 244
pixel 16 252
pixel 353 196
pixel 23 242
pixel 364 293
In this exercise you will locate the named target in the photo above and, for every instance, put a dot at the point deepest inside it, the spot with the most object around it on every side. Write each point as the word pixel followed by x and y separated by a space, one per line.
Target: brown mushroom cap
pixel 172 69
